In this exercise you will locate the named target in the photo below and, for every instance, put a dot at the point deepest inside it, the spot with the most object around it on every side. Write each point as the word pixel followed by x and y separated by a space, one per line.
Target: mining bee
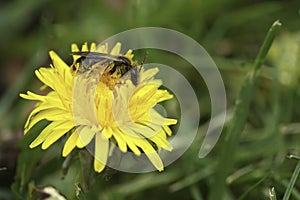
pixel 115 67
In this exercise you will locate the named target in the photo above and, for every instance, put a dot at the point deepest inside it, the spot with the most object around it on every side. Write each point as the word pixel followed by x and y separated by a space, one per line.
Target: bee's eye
pixel 79 60
pixel 126 61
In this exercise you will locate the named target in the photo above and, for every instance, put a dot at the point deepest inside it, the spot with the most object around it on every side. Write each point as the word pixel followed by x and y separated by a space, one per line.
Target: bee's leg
pixel 134 76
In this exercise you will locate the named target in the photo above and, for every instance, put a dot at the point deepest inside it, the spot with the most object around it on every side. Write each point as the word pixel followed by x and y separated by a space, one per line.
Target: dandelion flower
pixel 98 105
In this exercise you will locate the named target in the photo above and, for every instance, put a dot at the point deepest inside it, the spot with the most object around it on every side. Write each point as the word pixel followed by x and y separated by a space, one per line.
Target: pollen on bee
pixel 109 78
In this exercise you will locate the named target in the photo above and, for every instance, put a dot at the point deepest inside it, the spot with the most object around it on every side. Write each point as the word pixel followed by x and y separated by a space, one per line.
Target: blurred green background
pixel 231 31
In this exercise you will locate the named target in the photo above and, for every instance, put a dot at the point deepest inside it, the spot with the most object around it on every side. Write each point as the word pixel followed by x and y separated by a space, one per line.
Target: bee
pixel 115 67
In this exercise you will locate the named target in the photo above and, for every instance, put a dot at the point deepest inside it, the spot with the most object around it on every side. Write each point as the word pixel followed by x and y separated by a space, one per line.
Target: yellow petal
pixel 85 47
pixel 86 134
pixel 162 95
pixel 67 124
pixel 116 49
pixel 34 112
pixel 129 54
pixel 74 48
pixel 44 74
pixel 34 120
pixel 93 47
pixel 50 115
pixel 70 144
pixel 32 96
pixel 44 134
pixel 144 130
pixel 131 142
pixel 59 64
pixel 62 88
pixel 120 140
pixel 53 100
pixel 155 121
pixel 107 132
pixel 42 107
pixel 148 74
pixel 168 130
pixel 151 154
pixel 169 121
pixel 145 92
pixel 101 152
pixel 103 48
pixel 155 160
pixel 56 134
pixel 161 141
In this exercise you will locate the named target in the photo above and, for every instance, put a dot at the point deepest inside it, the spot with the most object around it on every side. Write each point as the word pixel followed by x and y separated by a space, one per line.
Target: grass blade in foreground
pixel 240 115
pixel 292 182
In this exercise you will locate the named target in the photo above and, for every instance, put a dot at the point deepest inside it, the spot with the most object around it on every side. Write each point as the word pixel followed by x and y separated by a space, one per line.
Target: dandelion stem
pixel 86 163
pixel 240 115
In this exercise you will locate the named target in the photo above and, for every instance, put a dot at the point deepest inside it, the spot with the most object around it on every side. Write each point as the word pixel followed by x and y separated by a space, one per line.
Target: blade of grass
pixel 292 182
pixel 141 183
pixel 244 195
pixel 190 180
pixel 196 194
pixel 238 121
pixel 283 183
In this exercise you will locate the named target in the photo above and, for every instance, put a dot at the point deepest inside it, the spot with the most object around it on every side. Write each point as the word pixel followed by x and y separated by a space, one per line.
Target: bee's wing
pixel 96 55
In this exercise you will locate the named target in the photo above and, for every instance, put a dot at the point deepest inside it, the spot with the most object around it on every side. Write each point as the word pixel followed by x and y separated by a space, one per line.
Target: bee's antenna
pixel 144 60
